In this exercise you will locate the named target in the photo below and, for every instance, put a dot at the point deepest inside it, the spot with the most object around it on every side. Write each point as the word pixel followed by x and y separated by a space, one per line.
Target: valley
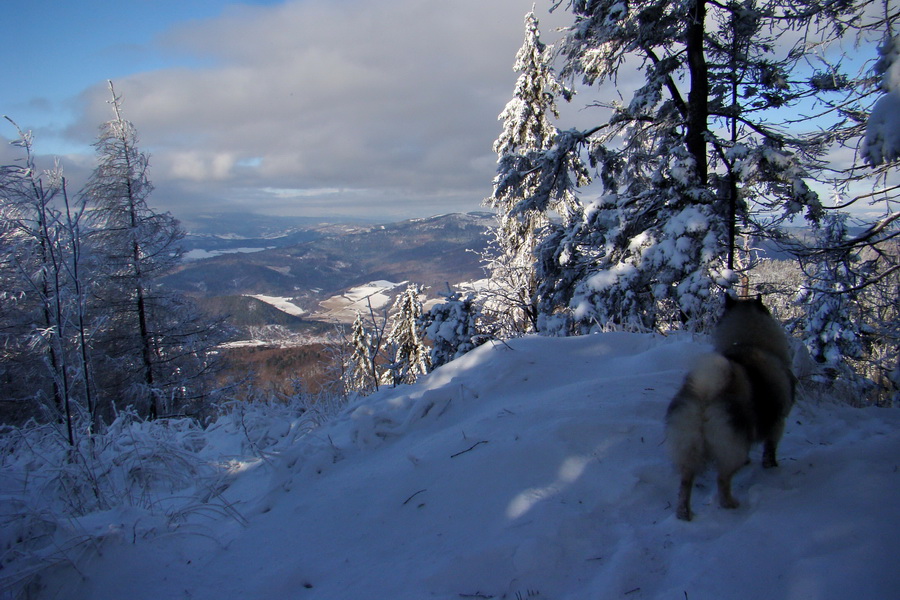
pixel 333 272
pixel 289 294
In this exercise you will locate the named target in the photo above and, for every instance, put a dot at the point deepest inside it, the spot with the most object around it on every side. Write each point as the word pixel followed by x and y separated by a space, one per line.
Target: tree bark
pixel 698 96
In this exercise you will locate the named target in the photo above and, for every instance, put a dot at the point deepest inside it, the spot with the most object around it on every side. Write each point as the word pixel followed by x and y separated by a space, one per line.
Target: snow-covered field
pixel 198 253
pixel 281 303
pixel 528 470
pixel 343 308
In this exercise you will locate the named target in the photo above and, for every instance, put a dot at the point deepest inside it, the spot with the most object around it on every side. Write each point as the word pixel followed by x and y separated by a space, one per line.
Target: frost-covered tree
pixel 43 321
pixel 362 374
pixel 830 297
pixel 882 140
pixel 704 147
pixel 32 282
pixel 156 343
pixel 409 356
pixel 864 109
pixel 454 326
pixel 851 318
pixel 528 131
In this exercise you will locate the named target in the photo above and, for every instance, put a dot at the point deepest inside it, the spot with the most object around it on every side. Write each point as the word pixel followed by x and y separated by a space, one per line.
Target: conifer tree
pixel 850 320
pixel 527 132
pixel 409 354
pixel 832 321
pixel 362 374
pixel 454 327
pixel 702 148
pixel 37 282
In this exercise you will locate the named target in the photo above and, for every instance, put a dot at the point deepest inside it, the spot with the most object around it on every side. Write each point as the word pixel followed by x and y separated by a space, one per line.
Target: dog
pixel 738 395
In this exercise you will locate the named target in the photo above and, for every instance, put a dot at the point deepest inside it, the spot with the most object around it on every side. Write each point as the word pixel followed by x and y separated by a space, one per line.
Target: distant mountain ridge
pixel 239 225
pixel 314 264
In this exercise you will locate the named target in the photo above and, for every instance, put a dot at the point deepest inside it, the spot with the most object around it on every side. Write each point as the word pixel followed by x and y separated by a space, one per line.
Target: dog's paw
pixel 684 513
pixel 728 502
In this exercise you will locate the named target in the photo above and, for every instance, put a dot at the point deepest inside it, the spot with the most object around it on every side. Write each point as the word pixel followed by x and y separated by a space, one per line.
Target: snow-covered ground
pixel 198 253
pixel 528 470
pixel 281 303
pixel 373 291
pixel 343 308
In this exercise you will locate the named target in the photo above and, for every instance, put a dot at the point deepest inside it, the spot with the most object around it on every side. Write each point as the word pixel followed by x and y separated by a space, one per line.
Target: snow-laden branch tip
pixel 882 141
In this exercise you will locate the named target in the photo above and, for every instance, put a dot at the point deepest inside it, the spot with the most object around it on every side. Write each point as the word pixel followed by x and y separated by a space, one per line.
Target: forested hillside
pixel 433 252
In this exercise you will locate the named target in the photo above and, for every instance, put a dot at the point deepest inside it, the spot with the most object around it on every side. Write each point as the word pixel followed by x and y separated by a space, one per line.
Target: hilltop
pixel 533 469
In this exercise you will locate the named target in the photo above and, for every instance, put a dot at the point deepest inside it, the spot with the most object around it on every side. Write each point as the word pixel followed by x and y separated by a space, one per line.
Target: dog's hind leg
pixel 683 511
pixel 730 449
pixel 769 449
pixel 770 446
pixel 726 499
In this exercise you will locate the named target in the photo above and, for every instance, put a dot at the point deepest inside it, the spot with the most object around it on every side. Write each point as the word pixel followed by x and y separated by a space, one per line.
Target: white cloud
pixel 398 96
pixel 199 166
pixel 298 193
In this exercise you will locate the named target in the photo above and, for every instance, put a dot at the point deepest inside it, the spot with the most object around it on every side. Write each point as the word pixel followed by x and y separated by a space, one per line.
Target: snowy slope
pixel 375 295
pixel 282 303
pixel 528 470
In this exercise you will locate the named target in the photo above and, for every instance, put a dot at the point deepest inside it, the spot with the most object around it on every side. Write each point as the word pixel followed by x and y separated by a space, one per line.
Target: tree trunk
pixel 698 96
pixel 140 292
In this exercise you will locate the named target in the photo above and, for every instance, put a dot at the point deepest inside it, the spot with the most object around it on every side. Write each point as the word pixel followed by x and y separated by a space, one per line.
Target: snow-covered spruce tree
pixel 527 132
pixel 362 375
pixel 881 145
pixel 409 356
pixel 833 319
pixel 454 327
pixel 156 344
pixel 865 111
pixel 703 146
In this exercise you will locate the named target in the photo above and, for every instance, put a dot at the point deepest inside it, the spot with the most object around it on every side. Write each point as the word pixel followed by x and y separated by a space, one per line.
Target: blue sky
pixel 382 109
pixel 54 49
pixel 309 107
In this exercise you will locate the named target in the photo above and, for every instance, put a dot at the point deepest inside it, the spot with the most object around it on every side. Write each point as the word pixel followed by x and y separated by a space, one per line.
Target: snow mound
pixel 533 469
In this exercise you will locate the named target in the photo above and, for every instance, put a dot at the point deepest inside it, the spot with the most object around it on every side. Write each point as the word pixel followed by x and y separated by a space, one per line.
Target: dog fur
pixel 731 398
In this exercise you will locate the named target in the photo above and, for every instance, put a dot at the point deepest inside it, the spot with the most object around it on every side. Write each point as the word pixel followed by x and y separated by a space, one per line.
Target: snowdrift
pixel 533 469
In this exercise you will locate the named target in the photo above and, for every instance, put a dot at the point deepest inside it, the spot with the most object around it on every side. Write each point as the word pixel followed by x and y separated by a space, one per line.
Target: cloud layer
pixel 327 107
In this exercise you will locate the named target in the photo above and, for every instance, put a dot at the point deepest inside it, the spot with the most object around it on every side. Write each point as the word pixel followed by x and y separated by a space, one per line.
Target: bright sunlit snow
pixel 372 296
pixel 882 139
pixel 281 303
pixel 198 254
pixel 882 142
pixel 529 469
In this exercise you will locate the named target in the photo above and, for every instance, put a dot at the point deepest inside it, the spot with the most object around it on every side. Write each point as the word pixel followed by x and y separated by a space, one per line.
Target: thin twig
pixel 405 502
pixel 472 447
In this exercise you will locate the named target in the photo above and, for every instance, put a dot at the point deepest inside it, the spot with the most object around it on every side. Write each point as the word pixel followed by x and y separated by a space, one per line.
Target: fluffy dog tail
pixel 695 408
pixel 712 374
pixel 708 420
